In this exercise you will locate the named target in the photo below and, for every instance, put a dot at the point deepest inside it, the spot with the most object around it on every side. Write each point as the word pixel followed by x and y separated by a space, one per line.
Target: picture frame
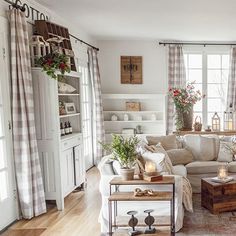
pixel 70 108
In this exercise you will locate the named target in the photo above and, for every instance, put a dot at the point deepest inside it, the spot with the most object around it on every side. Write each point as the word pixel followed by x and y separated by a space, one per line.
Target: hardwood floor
pixel 80 217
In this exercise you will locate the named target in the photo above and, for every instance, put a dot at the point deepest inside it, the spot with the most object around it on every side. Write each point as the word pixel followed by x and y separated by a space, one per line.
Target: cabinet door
pixel 68 171
pixel 79 166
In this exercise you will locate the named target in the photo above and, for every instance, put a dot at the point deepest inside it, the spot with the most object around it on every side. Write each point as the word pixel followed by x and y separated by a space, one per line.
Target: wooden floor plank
pixel 79 218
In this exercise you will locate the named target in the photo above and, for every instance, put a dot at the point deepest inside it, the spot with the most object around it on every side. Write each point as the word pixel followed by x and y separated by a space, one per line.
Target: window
pixel 210 73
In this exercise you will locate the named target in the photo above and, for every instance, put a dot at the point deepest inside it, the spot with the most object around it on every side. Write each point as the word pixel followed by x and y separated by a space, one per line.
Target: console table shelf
pixel 223 133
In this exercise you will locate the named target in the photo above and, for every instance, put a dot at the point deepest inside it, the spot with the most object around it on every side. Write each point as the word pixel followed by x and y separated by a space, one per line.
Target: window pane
pixel 214 76
pixel 195 61
pixel 214 61
pixel 225 61
pixel 3 184
pixel 2 154
pixel 225 75
pixel 1 122
pixel 215 105
pixel 198 107
pixel 195 75
pixel 216 90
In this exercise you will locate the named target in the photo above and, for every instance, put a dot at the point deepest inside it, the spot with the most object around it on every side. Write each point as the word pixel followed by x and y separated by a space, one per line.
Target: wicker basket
pixel 198 124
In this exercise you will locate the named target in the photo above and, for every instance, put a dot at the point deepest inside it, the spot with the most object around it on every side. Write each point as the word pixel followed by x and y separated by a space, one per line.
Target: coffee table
pixel 218 197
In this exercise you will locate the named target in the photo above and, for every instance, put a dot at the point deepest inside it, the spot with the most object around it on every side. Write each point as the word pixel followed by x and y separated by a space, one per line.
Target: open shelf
pixel 70 115
pixel 68 94
pixel 134 121
pixel 70 135
pixel 133 111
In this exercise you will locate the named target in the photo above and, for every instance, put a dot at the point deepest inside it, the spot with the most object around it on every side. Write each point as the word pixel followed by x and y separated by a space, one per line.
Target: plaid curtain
pixel 98 118
pixel 176 78
pixel 231 95
pixel 28 172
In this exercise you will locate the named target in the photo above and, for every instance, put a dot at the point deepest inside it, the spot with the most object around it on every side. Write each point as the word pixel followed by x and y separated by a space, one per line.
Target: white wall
pixel 154 66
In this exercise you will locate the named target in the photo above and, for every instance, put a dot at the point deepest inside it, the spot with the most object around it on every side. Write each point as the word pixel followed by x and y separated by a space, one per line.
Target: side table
pixel 129 196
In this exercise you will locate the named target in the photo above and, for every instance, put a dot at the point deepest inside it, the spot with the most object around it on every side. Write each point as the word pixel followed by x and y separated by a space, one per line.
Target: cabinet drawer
pixel 69 143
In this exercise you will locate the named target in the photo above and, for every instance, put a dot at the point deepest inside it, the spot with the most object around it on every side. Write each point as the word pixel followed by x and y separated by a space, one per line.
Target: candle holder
pixel 222 173
pixel 132 223
pixel 216 122
pixel 149 221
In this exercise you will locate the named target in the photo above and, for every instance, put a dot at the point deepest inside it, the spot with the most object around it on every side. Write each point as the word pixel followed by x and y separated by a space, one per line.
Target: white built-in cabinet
pixel 61 157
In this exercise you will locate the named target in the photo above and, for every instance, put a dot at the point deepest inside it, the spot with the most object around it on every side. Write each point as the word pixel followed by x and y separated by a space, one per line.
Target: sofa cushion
pixel 224 153
pixel 157 154
pixel 203 148
pixel 203 167
pixel 180 156
pixel 232 167
pixel 168 142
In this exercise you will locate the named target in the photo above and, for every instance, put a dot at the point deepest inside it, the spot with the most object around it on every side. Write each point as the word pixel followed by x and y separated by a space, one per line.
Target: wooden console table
pixel 129 196
pixel 223 133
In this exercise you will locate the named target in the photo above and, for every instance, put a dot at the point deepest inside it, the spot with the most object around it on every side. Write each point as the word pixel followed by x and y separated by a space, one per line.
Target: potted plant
pixel 53 62
pixel 184 100
pixel 124 151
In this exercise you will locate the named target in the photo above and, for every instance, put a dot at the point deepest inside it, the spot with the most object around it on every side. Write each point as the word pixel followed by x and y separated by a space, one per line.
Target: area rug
pixel 202 222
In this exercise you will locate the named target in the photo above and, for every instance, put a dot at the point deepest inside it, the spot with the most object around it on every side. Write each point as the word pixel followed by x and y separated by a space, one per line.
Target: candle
pixel 222 173
pixel 150 167
pixel 230 124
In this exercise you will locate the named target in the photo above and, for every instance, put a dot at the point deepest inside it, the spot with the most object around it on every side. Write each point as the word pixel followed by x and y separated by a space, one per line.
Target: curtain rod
pixel 84 42
pixel 203 44
pixel 15 5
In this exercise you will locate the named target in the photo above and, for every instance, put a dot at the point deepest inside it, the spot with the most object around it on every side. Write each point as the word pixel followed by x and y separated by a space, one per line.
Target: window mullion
pixel 204 89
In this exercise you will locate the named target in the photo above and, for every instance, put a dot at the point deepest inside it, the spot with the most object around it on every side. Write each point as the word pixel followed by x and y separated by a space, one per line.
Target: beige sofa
pixel 208 155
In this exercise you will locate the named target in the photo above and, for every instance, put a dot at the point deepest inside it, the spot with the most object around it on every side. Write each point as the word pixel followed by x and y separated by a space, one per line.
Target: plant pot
pixel 127 174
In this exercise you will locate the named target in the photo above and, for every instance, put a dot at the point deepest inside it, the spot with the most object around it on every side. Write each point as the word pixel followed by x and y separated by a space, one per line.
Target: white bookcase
pixel 61 157
pixel 151 105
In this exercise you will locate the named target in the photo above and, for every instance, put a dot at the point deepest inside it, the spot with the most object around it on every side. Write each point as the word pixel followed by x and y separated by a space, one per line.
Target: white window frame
pixel 205 51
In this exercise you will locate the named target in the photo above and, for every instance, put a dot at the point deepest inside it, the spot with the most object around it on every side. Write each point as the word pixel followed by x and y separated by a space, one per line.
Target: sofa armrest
pixel 180 170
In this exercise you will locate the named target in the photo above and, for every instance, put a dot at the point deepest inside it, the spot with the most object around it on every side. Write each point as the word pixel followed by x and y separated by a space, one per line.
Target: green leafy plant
pixel 123 150
pixel 53 62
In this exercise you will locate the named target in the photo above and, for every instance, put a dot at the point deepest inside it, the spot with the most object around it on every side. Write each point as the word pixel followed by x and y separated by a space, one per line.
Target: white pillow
pixel 65 88
pixel 158 155
pixel 225 155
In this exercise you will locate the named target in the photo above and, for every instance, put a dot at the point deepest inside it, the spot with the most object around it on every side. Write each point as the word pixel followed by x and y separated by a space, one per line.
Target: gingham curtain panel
pixel 231 95
pixel 28 172
pixel 98 118
pixel 176 78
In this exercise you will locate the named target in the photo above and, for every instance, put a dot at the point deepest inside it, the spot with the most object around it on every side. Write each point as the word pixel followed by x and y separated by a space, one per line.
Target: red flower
pixel 49 62
pixel 62 66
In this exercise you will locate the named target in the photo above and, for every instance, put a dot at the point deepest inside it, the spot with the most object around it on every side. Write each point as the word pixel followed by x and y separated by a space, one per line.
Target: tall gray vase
pixel 184 119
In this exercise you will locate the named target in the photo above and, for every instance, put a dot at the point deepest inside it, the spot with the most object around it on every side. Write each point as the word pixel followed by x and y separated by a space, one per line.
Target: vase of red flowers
pixel 184 100
pixel 53 63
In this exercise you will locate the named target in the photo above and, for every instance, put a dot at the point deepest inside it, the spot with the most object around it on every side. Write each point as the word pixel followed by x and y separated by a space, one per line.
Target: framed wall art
pixel 131 69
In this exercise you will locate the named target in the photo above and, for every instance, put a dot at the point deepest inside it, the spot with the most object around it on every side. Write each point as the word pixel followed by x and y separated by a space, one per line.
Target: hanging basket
pixel 198 124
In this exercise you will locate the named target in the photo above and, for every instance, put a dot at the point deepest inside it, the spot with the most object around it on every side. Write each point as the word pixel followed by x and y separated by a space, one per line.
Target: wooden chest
pixel 218 197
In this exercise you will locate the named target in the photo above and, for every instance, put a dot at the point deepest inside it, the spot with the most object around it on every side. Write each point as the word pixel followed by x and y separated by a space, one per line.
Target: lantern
pixel 38 48
pixel 222 173
pixel 228 120
pixel 215 122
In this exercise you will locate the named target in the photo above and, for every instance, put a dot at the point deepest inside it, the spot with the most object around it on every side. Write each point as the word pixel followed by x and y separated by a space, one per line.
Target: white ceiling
pixel 190 20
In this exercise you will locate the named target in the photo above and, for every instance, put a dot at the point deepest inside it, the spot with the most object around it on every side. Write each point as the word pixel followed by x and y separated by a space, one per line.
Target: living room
pixel 117 118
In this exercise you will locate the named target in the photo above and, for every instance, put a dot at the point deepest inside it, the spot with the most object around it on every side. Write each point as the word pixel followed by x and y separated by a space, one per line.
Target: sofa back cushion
pixel 225 155
pixel 168 142
pixel 203 148
pixel 180 156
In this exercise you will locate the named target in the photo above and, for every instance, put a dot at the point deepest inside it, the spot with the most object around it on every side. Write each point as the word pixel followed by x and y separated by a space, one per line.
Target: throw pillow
pixel 225 155
pixel 180 156
pixel 168 142
pixel 159 154
pixel 203 148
